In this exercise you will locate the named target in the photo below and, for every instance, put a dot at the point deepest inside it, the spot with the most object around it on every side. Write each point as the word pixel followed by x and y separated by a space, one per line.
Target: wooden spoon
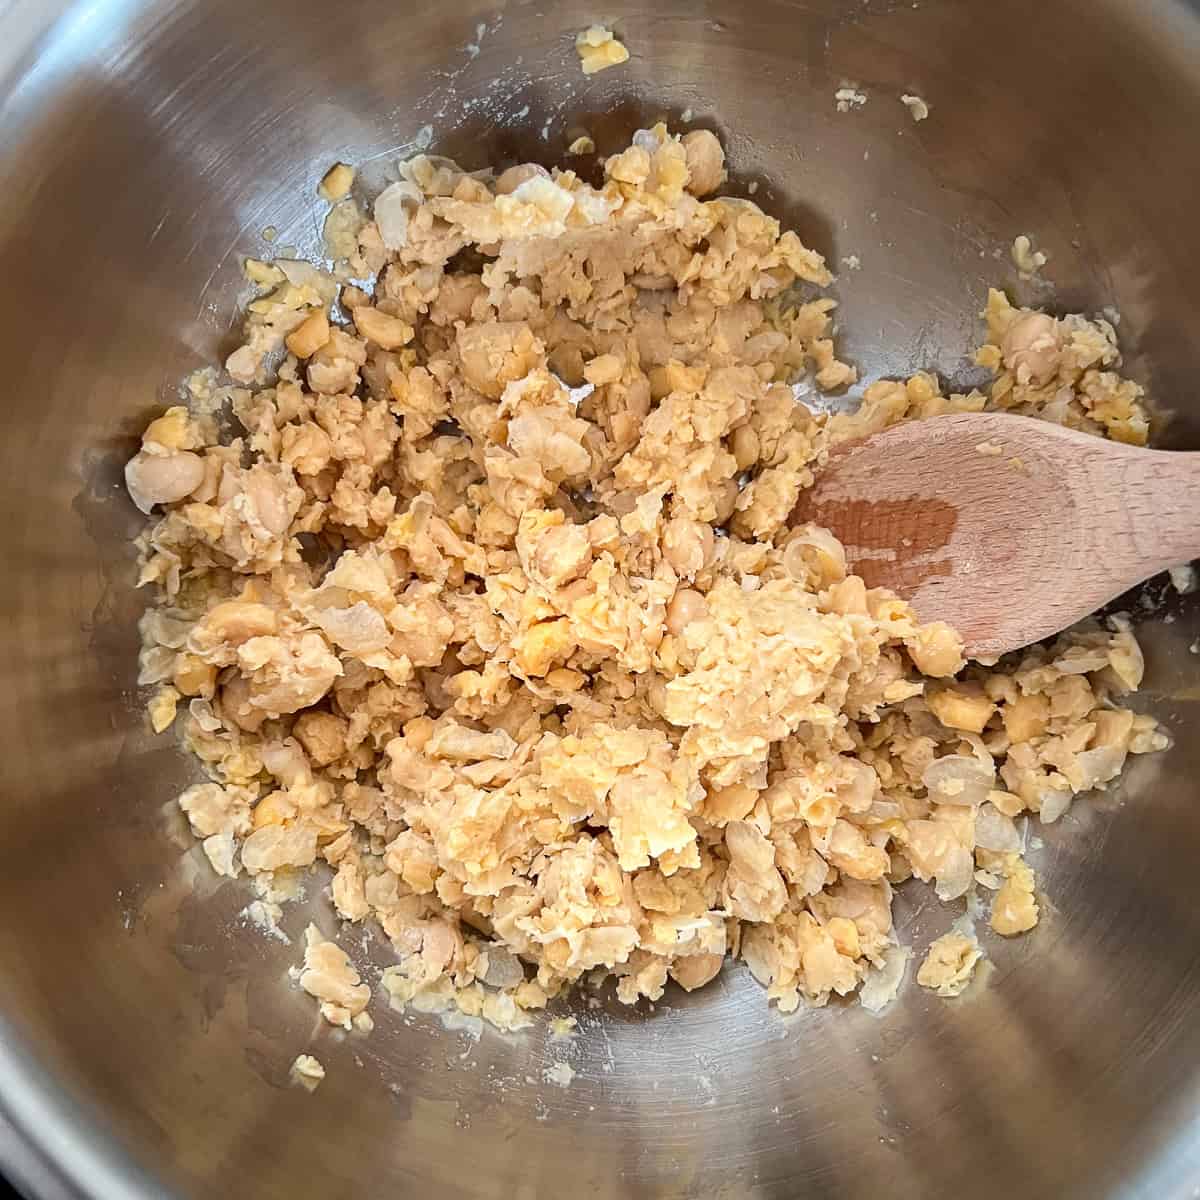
pixel 1008 528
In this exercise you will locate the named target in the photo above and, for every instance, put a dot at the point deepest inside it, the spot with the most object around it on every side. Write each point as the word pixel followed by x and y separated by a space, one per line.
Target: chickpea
pixel 235 703
pixel 604 368
pixel 266 494
pixel 338 181
pixel 171 430
pixel 323 736
pixel 235 622
pixel 847 596
pixel 687 545
pixel 631 166
pixel 705 161
pixel 1031 348
pixel 309 336
pixel 194 677
pixel 936 650
pixel 725 498
pixel 386 331
pixel 746 447
pixel 696 970
pixel 687 605
pixel 277 808
pixel 512 179
pixel 163 478
pixel 307 449
pixel 965 707
pixel 1026 717
pixel 544 644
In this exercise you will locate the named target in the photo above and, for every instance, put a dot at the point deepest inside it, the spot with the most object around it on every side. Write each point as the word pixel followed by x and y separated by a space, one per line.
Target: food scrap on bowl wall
pixel 848 98
pixel 599 49
pixel 1026 259
pixel 307 1072
pixel 949 964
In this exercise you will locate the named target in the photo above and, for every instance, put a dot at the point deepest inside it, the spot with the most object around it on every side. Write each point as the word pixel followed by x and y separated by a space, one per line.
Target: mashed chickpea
pixel 493 603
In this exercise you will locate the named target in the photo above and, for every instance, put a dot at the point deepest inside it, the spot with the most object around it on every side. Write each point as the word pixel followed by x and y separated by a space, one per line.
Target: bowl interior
pixel 148 1028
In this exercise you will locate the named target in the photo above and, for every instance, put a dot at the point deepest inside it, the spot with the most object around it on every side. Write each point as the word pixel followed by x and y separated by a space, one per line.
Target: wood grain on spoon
pixel 1008 528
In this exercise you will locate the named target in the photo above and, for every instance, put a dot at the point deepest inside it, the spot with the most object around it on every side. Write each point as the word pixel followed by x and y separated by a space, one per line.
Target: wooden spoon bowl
pixel 1009 528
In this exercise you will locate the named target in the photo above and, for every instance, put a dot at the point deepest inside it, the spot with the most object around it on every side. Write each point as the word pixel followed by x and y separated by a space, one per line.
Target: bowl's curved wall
pixel 147 1030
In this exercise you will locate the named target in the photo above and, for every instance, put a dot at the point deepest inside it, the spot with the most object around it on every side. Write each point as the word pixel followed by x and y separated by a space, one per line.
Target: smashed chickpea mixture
pixel 479 586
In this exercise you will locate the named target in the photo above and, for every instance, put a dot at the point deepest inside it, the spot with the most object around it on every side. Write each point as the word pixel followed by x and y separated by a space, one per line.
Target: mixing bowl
pixel 147 1030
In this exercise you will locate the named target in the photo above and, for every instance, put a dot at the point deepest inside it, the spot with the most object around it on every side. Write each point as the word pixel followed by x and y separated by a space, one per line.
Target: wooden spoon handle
pixel 1146 508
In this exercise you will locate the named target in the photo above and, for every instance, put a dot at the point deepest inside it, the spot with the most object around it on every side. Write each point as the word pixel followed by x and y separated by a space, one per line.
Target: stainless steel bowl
pixel 146 1031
